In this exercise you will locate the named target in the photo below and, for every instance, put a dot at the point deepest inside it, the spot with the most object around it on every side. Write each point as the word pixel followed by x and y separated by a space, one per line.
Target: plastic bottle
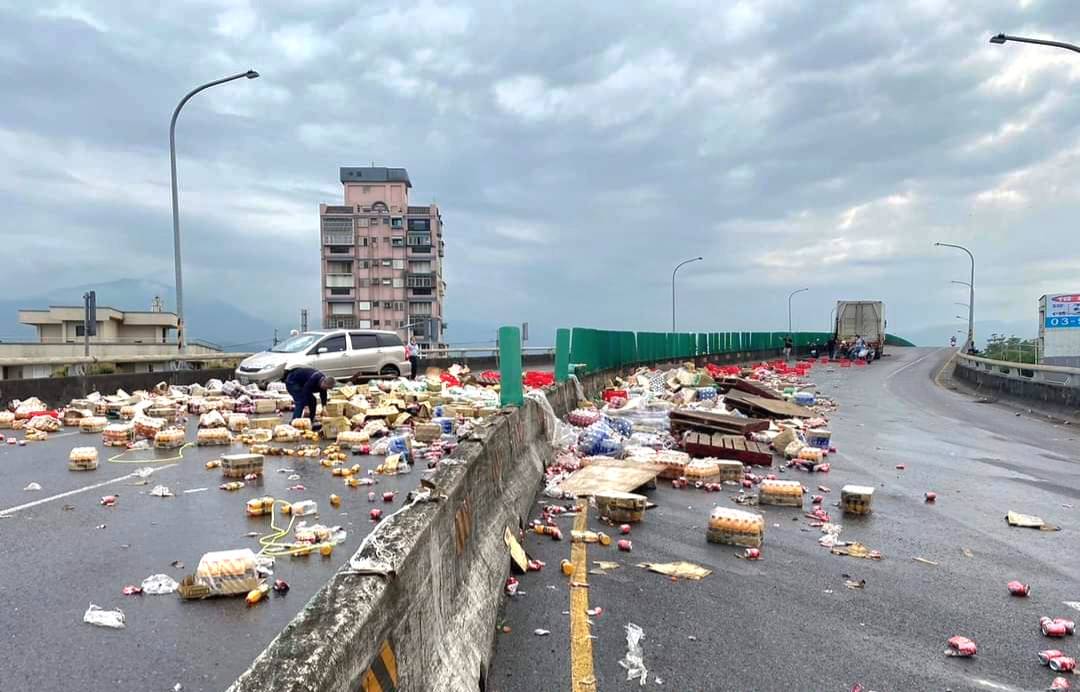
pixel 304 508
pixel 257 594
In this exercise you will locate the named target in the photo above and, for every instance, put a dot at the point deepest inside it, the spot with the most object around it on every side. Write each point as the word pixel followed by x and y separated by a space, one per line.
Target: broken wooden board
pixel 753 405
pixel 726 384
pixel 717 446
pixel 609 475
pixel 687 419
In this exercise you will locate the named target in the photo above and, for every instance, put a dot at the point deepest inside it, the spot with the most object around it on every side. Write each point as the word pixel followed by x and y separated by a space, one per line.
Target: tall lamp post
pixel 250 74
pixel 792 295
pixel 692 259
pixel 971 295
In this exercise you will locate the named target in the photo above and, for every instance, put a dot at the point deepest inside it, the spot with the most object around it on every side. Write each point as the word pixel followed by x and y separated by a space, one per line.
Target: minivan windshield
pixel 296 343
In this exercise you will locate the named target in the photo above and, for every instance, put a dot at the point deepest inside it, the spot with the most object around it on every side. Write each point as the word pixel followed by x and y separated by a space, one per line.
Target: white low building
pixel 124 339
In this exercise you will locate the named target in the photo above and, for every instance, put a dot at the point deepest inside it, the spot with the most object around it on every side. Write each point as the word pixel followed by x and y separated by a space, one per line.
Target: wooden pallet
pixel 718 446
pixel 704 421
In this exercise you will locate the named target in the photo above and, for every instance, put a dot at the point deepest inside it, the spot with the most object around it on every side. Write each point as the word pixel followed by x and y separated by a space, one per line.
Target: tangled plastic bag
pixel 600 440
pixel 620 425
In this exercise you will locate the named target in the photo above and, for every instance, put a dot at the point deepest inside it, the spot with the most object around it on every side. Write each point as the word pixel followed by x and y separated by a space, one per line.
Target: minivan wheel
pixel 390 371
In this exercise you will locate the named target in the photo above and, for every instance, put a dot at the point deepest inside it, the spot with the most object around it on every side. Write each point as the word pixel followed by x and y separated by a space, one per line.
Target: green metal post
pixel 562 355
pixel 510 391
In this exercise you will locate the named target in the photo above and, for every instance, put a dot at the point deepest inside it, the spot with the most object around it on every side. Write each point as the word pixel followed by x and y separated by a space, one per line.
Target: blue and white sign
pixel 1062 311
pixel 1064 322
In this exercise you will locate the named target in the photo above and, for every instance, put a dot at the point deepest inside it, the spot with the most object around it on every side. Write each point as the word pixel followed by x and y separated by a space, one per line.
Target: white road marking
pixel 905 367
pixel 12 510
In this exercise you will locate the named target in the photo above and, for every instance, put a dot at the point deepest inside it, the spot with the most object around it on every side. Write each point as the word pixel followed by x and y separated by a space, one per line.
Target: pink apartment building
pixel 382 258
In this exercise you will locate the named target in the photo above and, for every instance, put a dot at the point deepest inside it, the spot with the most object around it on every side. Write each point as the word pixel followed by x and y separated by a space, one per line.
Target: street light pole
pixel 693 259
pixel 1002 38
pixel 250 74
pixel 792 295
pixel 971 294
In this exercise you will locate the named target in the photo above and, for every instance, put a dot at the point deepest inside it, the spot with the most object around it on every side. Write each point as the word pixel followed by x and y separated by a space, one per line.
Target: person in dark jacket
pixel 302 384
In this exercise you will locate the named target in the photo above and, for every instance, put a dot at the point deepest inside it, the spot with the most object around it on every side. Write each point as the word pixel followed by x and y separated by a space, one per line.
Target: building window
pixel 374 220
pixel 396 222
pixel 80 330
pixel 398 264
pixel 340 308
pixel 419 239
pixel 343 323
pixel 374 240
pixel 420 282
pixel 361 223
pixel 362 283
pixel 422 309
pixel 364 305
pixel 399 305
pixel 399 283
pixel 401 323
pixel 339 249
pixel 387 262
pixel 387 305
pixel 362 241
pixel 387 282
pixel 365 324
pixel 386 221
pixel 340 291
pixel 363 264
pixel 397 241
pixel 419 224
pixel 374 323
pixel 422 267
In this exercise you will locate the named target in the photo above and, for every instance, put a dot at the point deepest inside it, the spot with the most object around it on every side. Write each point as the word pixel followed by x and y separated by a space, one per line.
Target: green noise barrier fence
pixel 589 350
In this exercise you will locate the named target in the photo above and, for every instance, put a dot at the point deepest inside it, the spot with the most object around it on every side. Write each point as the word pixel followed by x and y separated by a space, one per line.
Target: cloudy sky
pixel 577 150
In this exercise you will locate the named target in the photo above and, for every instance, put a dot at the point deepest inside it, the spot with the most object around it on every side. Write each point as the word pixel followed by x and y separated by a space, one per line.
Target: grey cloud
pixel 624 140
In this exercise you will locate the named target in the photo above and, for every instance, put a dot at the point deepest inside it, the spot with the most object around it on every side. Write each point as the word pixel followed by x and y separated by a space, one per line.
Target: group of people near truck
pixel 856 349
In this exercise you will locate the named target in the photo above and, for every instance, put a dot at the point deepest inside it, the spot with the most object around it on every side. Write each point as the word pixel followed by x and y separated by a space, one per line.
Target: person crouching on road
pixel 302 384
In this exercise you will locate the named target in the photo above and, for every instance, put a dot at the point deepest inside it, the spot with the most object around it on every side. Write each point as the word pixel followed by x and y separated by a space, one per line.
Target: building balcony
pixel 342 252
pixel 419 249
pixel 339 294
pixel 340 281
pixel 339 238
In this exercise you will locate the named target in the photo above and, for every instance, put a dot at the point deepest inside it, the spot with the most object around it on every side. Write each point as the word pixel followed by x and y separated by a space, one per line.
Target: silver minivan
pixel 342 353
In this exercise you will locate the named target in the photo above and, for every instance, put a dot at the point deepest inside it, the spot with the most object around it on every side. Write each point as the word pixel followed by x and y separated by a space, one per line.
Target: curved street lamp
pixel 792 295
pixel 971 293
pixel 692 259
pixel 250 74
pixel 1002 38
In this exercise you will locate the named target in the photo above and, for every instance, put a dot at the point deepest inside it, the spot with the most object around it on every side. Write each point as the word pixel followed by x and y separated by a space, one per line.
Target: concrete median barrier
pixel 431 624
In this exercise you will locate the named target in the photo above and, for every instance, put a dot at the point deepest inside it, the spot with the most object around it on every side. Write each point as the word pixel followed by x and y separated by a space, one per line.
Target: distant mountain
pixel 208 319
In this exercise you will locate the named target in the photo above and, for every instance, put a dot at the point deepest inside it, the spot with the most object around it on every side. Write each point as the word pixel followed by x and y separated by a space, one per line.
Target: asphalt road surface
pixel 59 556
pixel 788 622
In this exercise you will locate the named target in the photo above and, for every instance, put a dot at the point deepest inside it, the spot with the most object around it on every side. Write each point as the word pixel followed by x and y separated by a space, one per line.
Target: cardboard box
pixel 240 465
pixel 332 426
pixel 620 506
pixel 266 423
pixel 427 432
pixel 856 499
pixel 265 406
pixel 223 573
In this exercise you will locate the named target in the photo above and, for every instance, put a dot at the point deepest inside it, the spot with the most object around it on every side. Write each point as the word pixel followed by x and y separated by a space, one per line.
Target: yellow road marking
pixel 582 675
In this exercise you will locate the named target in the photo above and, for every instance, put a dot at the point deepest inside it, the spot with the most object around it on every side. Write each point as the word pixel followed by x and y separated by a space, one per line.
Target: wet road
pixel 788 622
pixel 55 561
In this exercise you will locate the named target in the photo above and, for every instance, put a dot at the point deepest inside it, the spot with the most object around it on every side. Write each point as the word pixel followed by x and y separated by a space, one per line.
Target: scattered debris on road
pixel 95 615
pixel 678 570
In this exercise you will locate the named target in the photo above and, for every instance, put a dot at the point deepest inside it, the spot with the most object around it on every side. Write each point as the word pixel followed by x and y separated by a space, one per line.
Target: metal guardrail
pixel 482 351
pixel 1055 375
pixel 160 358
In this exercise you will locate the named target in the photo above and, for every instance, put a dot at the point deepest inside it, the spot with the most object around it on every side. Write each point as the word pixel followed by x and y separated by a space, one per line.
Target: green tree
pixel 1011 348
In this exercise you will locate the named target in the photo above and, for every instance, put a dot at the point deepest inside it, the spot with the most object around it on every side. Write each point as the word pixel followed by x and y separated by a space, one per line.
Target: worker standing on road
pixel 830 347
pixel 302 384
pixel 412 352
pixel 787 347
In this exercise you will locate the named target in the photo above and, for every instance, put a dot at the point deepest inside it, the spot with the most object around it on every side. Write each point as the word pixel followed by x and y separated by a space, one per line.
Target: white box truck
pixel 865 318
